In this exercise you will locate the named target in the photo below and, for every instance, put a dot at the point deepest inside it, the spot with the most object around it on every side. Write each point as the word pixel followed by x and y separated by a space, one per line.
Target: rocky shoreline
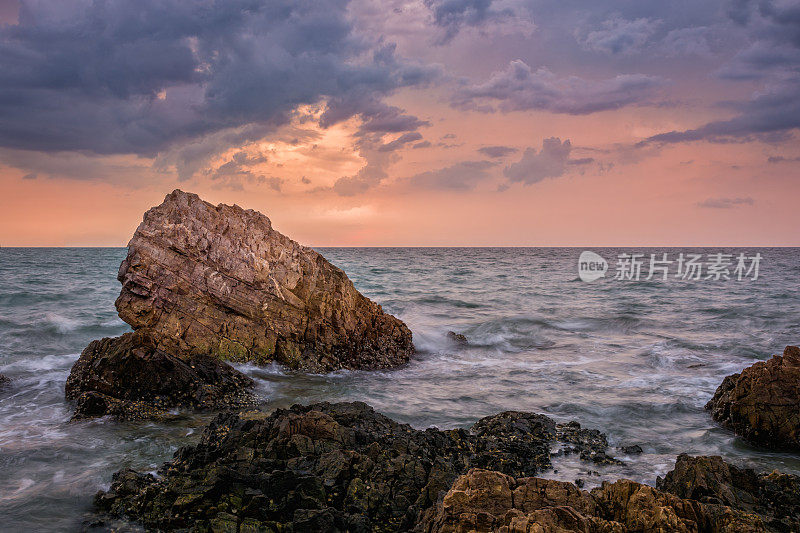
pixel 344 467
pixel 203 285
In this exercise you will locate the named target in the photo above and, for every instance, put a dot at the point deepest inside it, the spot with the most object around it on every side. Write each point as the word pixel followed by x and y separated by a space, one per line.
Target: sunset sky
pixel 400 122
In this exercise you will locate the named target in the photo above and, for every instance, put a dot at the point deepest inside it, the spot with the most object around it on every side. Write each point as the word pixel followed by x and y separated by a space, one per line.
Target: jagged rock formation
pixel 132 377
pixel 324 467
pixel 762 404
pixel 344 467
pixel 484 500
pixel 220 281
pixel 775 496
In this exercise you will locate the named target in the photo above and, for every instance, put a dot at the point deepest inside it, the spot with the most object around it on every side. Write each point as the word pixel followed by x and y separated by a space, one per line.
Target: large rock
pixel 762 404
pixel 220 281
pixel 775 496
pixel 323 467
pixel 484 500
pixel 132 377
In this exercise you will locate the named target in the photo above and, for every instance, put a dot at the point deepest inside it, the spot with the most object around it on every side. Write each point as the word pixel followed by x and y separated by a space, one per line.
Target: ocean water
pixel 637 360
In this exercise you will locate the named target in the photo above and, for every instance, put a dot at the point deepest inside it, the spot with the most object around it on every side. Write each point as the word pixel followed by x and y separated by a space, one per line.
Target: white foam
pixel 62 324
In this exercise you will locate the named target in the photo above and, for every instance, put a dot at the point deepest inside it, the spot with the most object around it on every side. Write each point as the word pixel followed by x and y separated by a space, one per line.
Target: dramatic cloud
pixel 519 88
pixel 463 176
pixel 137 77
pixel 773 58
pixel 726 203
pixel 453 15
pixel 497 152
pixel 617 35
pixel 550 162
pixel 769 116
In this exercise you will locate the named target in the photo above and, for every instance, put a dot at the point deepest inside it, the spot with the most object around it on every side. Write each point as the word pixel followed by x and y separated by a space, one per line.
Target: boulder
pixel 4 380
pixel 762 403
pixel 484 500
pixel 133 377
pixel 322 467
pixel 775 496
pixel 220 281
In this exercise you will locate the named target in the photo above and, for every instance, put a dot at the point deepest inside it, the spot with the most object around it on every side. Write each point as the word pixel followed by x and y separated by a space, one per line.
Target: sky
pixel 406 123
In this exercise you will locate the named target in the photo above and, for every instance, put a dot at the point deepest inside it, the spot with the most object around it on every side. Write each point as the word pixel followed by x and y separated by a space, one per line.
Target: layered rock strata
pixel 220 281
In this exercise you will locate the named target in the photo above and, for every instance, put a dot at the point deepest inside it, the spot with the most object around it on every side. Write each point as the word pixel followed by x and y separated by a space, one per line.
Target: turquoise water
pixel 637 360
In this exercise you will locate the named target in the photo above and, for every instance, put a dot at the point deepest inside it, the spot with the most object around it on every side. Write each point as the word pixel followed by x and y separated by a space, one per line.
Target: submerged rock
pixel 762 404
pixel 4 381
pixel 484 500
pixel 457 338
pixel 323 467
pixel 220 281
pixel 632 449
pixel 133 377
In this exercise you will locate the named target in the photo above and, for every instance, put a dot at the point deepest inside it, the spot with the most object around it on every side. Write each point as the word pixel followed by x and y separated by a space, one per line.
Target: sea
pixel 636 359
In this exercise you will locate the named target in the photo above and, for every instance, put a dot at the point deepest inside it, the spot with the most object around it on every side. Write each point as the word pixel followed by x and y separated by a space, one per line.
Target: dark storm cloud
pixel 773 59
pixel 136 77
pixel 769 116
pixel 520 88
pixel 497 151
pixel 452 15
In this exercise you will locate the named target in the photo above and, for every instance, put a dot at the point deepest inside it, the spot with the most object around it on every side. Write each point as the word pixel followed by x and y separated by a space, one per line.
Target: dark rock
pixel 132 377
pixel 633 449
pixel 222 282
pixel 590 444
pixel 323 467
pixel 762 404
pixel 4 381
pixel 483 500
pixel 457 338
pixel 775 497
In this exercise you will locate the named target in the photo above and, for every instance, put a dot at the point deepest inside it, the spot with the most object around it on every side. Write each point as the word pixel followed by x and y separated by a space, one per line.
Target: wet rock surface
pixel 323 467
pixel 132 377
pixel 220 281
pixel 483 500
pixel 459 339
pixel 589 444
pixel 762 403
pixel 775 496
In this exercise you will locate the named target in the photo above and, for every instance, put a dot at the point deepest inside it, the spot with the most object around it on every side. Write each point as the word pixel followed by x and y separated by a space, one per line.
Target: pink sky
pixel 664 137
